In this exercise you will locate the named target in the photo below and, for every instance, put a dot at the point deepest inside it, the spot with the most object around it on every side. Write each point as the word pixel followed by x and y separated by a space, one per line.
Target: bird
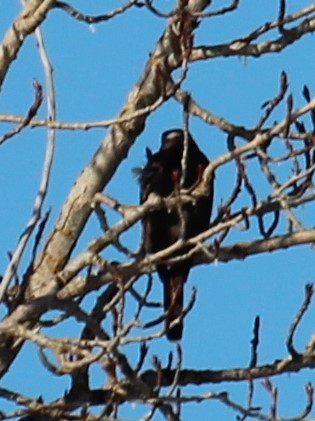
pixel 179 163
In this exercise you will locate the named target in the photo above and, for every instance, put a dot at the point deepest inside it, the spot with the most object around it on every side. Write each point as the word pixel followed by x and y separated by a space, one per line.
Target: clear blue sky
pixel 95 68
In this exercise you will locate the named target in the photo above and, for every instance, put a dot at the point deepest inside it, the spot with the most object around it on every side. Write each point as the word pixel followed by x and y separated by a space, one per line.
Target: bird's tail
pixel 173 305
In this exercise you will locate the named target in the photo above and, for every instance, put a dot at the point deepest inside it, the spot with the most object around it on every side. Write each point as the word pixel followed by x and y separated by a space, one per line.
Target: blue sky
pixel 94 68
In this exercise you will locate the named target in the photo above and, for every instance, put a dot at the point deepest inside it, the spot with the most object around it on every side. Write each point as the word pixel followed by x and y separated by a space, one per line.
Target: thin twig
pixel 45 178
pixel 31 113
pixel 255 343
pixel 94 19
pixel 307 301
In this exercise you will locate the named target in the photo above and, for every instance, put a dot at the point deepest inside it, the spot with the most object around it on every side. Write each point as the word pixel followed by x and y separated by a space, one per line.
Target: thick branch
pixel 236 251
pixel 77 208
pixel 198 377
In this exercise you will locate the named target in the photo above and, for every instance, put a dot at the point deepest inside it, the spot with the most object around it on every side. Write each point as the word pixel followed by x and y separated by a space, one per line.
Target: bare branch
pixel 29 19
pixel 255 343
pixel 44 182
pixel 94 19
pixel 31 113
pixel 243 48
pixel 307 301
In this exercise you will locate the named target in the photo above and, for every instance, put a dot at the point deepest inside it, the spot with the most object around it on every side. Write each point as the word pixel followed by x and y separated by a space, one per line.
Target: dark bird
pixel 173 167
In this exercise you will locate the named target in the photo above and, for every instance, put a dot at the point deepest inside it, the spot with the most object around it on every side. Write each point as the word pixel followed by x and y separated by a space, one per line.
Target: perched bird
pixel 173 167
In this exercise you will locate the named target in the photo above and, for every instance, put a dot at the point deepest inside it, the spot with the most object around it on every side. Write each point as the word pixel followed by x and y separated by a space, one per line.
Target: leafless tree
pixel 59 278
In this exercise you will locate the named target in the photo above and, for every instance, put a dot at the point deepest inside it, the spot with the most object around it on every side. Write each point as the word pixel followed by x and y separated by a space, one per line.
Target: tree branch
pixel 32 15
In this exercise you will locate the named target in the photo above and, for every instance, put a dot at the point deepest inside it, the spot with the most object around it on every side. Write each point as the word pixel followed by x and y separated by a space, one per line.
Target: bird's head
pixel 173 139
